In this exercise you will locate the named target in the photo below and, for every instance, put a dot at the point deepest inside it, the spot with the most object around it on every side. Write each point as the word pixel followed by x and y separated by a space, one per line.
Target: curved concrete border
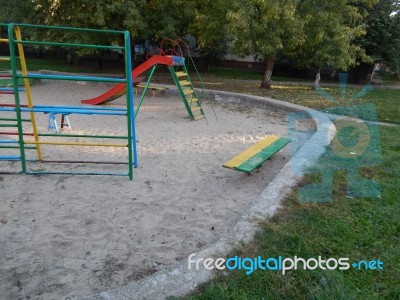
pixel 179 280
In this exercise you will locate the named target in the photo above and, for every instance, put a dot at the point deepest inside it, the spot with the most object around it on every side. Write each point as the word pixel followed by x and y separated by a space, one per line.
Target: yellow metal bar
pixel 3 40
pixel 28 90
pixel 75 144
pixel 4 59
pixel 250 152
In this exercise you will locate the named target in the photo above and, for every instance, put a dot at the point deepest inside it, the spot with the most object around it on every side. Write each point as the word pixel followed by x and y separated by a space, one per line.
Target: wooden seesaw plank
pixel 257 154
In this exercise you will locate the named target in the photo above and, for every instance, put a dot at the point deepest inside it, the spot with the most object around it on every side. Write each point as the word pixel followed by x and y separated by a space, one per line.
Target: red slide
pixel 120 89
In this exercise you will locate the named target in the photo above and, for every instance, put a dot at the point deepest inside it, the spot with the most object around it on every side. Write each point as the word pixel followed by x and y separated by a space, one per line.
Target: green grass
pixel 387 102
pixel 358 228
pixel 348 226
pixel 390 79
pixel 244 75
pixel 362 228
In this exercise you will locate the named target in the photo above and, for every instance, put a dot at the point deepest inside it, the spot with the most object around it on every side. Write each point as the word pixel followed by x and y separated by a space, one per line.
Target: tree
pixel 264 28
pixel 167 19
pixel 382 41
pixel 145 19
pixel 210 28
pixel 330 29
pixel 22 11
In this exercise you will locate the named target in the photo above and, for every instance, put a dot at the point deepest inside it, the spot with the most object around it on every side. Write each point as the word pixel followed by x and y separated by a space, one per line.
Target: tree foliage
pixel 329 30
pixel 382 41
pixel 209 28
pixel 263 27
pixel 145 19
pixel 311 33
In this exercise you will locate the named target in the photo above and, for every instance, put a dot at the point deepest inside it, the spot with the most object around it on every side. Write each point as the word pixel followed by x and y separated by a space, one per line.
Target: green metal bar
pixel 17 147
pixel 203 87
pixel 8 125
pixel 145 89
pixel 188 78
pixel 71 77
pixel 13 41
pixel 180 90
pixel 194 93
pixel 13 119
pixel 132 153
pixel 83 136
pixel 68 28
pixel 16 95
pixel 69 45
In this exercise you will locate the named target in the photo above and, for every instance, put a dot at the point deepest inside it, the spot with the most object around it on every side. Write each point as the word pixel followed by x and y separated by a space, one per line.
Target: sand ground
pixel 64 236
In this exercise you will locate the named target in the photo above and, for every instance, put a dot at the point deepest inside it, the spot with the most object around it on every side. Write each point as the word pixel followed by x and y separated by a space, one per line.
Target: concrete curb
pixel 179 280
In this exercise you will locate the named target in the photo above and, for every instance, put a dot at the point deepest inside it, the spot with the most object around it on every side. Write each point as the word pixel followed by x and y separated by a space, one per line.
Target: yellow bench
pixel 257 154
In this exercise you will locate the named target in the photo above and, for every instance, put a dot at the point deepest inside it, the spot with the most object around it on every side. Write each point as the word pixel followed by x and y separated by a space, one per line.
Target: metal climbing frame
pixel 31 140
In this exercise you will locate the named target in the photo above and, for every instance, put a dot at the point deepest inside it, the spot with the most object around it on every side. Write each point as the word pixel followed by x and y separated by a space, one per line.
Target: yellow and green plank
pixel 253 157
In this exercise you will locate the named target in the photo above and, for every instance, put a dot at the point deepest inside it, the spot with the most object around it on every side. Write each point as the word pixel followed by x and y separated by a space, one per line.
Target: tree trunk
pixel 266 82
pixel 70 58
pixel 100 61
pixel 133 55
pixel 317 79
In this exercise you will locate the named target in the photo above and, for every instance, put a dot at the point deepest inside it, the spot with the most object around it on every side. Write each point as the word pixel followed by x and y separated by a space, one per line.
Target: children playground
pixel 68 226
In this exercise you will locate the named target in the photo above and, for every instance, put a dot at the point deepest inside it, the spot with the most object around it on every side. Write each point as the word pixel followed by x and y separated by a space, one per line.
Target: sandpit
pixel 63 236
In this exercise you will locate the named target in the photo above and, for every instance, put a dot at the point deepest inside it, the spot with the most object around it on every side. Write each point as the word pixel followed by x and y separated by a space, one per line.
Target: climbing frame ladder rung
pixel 188 92
pixel 199 117
pixel 181 74
pixel 185 83
pixel 194 109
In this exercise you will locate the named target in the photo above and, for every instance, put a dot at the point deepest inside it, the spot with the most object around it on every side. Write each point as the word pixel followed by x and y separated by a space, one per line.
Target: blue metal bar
pixel 13 158
pixel 70 77
pixel 11 89
pixel 68 162
pixel 8 109
pixel 9 142
pixel 75 111
pixel 19 109
pixel 82 107
pixel 65 111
